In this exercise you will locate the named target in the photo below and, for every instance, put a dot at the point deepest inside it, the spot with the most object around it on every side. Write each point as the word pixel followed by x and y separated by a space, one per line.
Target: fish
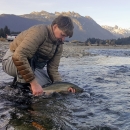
pixel 61 87
pixel 57 87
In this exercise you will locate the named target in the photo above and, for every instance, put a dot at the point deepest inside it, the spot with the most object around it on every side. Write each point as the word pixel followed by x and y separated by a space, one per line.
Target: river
pixel 104 104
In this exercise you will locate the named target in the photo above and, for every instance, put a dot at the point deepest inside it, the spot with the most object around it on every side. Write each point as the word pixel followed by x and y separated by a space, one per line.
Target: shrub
pixel 2 39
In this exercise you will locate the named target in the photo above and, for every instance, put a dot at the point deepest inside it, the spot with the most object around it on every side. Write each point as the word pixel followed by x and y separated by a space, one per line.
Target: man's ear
pixel 55 26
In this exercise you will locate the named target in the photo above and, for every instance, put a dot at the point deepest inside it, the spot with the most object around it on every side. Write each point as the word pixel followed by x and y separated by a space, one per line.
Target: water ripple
pixel 104 104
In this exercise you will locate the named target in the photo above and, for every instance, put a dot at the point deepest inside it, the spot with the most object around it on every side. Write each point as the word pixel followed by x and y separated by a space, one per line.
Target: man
pixel 34 48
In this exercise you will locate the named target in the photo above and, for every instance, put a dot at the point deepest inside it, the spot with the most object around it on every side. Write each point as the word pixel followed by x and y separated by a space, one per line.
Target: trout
pixel 61 87
pixel 58 87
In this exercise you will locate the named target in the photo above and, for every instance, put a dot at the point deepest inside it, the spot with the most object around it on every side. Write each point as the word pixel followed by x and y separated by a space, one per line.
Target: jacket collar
pixel 52 36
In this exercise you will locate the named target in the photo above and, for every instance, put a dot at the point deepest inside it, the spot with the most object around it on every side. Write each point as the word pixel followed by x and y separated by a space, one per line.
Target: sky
pixel 104 12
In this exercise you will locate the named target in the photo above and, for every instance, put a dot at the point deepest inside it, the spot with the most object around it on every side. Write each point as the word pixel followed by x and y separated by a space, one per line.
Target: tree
pixel 1 32
pixel 6 31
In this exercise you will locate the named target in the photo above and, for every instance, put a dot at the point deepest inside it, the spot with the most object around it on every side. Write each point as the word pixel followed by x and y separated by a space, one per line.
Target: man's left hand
pixel 72 90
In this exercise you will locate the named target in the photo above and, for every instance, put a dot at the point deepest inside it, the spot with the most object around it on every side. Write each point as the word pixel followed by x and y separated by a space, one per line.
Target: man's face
pixel 59 34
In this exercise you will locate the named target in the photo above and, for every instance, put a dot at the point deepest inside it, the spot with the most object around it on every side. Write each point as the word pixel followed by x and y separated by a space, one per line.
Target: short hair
pixel 65 24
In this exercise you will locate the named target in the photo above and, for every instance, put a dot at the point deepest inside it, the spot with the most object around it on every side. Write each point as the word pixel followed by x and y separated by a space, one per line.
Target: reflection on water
pixel 104 104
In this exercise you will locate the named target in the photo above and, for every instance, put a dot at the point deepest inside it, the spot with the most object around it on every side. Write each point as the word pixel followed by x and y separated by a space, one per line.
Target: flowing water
pixel 104 104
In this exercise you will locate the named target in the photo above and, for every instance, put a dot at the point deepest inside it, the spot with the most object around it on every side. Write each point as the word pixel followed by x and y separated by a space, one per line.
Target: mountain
pixel 17 23
pixel 117 31
pixel 84 27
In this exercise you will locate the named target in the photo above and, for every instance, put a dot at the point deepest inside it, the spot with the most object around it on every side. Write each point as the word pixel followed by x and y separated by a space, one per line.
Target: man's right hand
pixel 36 88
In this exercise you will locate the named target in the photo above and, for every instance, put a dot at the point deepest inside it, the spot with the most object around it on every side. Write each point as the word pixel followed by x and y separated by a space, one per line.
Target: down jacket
pixel 37 39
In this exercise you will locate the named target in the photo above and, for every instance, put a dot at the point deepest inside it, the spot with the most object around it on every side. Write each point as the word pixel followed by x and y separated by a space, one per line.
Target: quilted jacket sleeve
pixel 34 38
pixel 53 64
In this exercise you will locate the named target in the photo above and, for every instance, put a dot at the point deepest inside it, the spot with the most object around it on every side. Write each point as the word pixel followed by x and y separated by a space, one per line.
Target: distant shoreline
pixel 99 47
pixel 69 49
pixel 73 50
pixel 6 43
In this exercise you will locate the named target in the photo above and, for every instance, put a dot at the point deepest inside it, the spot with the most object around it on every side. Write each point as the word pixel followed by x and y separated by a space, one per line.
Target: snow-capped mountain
pixel 84 27
pixel 117 31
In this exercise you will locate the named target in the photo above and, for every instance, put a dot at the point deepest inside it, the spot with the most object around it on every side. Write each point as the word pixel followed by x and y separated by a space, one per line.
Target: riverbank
pixel 69 50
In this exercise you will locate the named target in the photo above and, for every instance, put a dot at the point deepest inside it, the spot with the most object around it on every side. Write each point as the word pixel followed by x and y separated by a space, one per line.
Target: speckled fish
pixel 61 87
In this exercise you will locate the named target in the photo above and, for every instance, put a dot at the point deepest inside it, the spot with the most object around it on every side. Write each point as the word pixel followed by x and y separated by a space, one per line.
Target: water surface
pixel 104 104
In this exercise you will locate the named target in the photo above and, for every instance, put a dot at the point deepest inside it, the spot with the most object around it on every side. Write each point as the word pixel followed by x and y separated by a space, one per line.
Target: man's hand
pixel 72 90
pixel 36 88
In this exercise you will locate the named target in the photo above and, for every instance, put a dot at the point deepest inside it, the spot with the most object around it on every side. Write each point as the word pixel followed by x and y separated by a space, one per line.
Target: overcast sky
pixel 104 12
